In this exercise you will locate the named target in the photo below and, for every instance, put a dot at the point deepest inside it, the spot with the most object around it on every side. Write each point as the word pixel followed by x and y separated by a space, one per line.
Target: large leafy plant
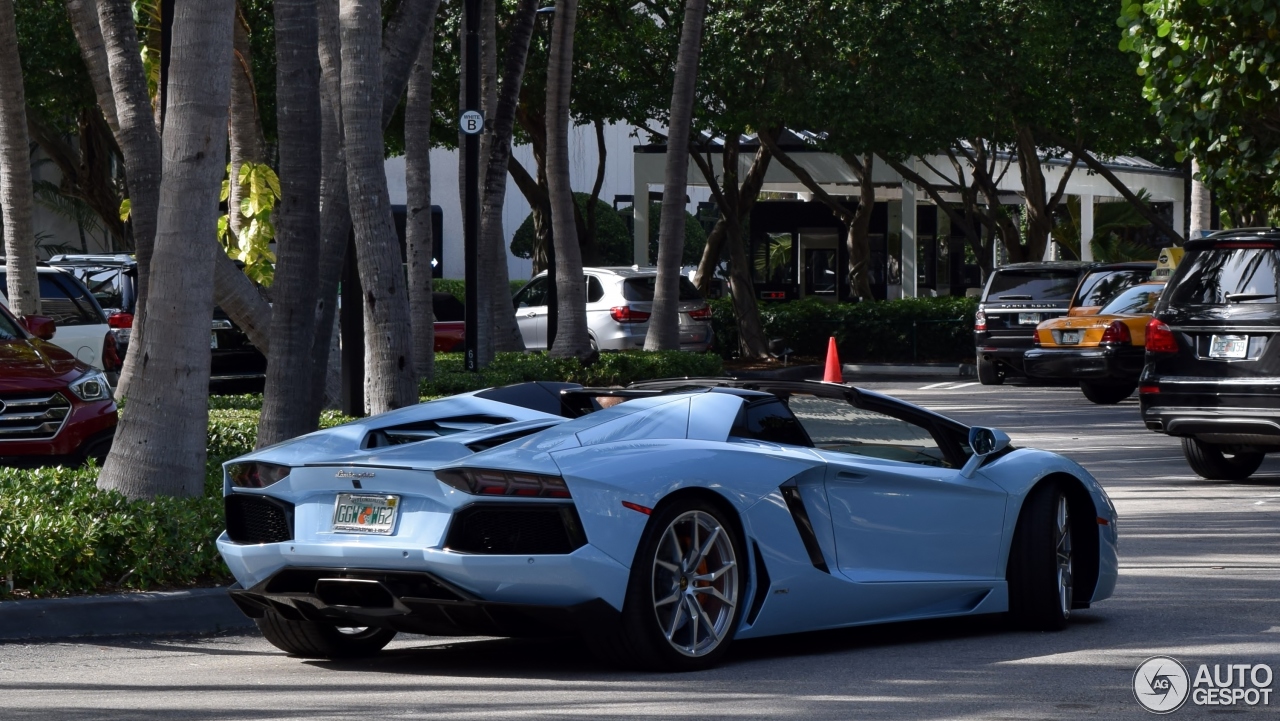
pixel 259 193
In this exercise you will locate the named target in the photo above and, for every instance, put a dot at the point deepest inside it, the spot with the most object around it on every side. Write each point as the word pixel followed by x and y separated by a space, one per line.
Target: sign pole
pixel 472 123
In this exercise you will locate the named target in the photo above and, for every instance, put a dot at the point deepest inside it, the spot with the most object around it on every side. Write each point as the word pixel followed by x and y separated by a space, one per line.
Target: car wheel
pixel 310 639
pixel 1107 394
pixel 1039 573
pixel 1212 462
pixel 989 372
pixel 684 598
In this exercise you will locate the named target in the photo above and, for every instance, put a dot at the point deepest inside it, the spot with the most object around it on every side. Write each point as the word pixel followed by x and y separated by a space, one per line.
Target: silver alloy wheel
pixel 1063 552
pixel 695 583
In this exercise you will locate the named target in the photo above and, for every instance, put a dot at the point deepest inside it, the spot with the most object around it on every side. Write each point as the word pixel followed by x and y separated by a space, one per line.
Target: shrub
pixel 612 237
pixel 458 288
pixel 906 330
pixel 611 369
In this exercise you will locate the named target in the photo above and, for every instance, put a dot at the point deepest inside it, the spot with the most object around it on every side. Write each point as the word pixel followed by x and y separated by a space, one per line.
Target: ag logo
pixel 1160 684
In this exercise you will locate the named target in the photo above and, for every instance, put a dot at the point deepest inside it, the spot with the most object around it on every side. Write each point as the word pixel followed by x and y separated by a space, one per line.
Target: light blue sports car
pixel 659 522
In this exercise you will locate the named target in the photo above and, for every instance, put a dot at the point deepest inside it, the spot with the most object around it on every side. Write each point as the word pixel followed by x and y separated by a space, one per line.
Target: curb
pixel 853 371
pixel 199 611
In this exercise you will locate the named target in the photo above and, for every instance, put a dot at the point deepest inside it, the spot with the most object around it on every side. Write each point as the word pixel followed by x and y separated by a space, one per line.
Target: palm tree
pixel 571 338
pixel 390 379
pixel 160 443
pixel 285 412
pixel 16 195
pixel 664 323
pixel 419 243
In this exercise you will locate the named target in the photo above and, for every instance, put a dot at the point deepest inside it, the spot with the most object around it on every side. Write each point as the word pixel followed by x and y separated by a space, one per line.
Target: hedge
pixel 60 534
pixel 906 330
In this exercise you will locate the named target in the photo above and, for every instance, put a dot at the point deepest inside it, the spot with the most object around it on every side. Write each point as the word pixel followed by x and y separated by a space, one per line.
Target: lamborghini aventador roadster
pixel 659 522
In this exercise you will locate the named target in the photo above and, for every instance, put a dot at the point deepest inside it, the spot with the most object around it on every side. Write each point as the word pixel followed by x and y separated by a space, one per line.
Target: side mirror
pixel 39 326
pixel 984 442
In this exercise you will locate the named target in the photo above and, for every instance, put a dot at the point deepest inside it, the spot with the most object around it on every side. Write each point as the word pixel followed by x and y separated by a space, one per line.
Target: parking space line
pixel 936 385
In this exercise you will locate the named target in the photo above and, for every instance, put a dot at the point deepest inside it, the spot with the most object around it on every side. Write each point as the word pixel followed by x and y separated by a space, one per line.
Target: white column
pixel 1086 227
pixel 909 277
pixel 639 215
pixel 1180 216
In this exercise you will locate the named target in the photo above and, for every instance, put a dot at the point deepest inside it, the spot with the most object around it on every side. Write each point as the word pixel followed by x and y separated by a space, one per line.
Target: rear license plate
pixel 1069 337
pixel 1228 346
pixel 213 340
pixel 361 513
pixel 1028 318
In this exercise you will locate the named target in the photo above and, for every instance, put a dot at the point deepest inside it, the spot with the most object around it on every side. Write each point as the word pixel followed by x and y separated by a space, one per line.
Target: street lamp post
pixel 472 123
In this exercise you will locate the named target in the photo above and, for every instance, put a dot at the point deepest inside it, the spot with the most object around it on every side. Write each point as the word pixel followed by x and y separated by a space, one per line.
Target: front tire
pixel 989 372
pixel 1041 584
pixel 685 596
pixel 1107 394
pixel 309 639
pixel 1211 462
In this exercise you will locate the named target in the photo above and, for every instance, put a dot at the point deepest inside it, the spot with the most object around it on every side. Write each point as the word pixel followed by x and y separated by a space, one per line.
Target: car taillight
pixel 1117 332
pixel 1159 338
pixel 120 320
pixel 256 475
pixel 1035 338
pixel 980 321
pixel 627 314
pixel 1147 389
pixel 703 313
pixel 486 482
pixel 110 354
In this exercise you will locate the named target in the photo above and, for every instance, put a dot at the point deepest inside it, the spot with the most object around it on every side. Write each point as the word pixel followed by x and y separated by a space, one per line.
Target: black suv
pixel 237 365
pixel 1016 298
pixel 1212 373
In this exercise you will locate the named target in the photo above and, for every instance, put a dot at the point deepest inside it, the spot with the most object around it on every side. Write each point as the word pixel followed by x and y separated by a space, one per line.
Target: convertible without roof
pixel 659 522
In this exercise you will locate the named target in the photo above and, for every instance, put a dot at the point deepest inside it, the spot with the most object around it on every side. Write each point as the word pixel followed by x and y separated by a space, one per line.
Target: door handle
pixel 851 476
pixel 530 315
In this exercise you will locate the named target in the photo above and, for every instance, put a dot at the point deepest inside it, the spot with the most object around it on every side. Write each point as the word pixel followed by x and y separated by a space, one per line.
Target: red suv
pixel 53 408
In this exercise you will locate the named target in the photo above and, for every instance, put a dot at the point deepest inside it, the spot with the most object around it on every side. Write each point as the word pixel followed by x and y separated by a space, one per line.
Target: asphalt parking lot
pixel 1200 581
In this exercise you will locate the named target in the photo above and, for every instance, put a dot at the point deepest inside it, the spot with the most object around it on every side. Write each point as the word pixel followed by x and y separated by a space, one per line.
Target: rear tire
pixel 309 639
pixel 671 582
pixel 989 372
pixel 1107 394
pixel 1039 574
pixel 1211 462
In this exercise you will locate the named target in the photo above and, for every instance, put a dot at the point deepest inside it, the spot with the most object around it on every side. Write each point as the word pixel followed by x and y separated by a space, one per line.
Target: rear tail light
pixel 1035 339
pixel 703 313
pixel 110 353
pixel 627 314
pixel 485 482
pixel 980 321
pixel 120 320
pixel 1159 338
pixel 1148 388
pixel 1117 332
pixel 256 475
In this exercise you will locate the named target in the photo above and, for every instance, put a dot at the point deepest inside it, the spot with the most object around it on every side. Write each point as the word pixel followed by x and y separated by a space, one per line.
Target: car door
pixel 531 313
pixel 900 510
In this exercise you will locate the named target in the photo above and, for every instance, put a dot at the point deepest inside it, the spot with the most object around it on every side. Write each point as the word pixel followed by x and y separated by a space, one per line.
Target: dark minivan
pixel 1212 373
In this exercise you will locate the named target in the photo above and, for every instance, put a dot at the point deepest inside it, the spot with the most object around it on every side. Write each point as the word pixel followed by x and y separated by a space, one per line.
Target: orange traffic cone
pixel 832 374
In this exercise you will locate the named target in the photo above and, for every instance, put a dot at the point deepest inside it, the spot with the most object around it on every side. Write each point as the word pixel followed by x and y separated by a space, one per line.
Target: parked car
pixel 54 409
pixel 658 522
pixel 82 326
pixel 619 303
pixel 1104 352
pixel 1015 300
pixel 451 322
pixel 1212 374
pixel 113 280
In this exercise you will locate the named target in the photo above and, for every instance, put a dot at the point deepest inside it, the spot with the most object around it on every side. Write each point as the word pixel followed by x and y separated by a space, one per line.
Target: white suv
pixel 82 327
pixel 619 302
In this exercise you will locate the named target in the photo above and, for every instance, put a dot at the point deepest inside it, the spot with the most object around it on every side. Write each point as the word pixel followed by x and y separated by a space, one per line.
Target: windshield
pixel 1032 285
pixel 1138 300
pixel 1217 276
pixel 8 328
pixel 1100 286
pixel 641 289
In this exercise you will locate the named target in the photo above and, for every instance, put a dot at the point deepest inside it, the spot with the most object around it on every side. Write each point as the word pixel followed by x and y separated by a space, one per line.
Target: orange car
pixel 1104 352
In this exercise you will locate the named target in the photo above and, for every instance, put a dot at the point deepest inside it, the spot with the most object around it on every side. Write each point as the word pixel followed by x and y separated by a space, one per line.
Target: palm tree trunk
pixel 285 410
pixel 84 22
pixel 247 144
pixel 391 382
pixel 419 241
pixel 664 323
pixel 160 443
pixel 506 333
pixel 16 197
pixel 572 340
pixel 1201 203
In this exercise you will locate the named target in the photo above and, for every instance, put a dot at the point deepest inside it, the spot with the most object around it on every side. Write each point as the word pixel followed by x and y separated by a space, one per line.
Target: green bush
pixel 619 368
pixel 458 288
pixel 906 330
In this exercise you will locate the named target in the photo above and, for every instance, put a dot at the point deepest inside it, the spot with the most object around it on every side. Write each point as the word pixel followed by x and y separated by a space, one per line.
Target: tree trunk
pixel 664 322
pixel 160 443
pixel 84 22
pixel 247 144
pixel 747 195
pixel 1201 203
pixel 505 332
pixel 391 381
pixel 1144 209
pixel 16 197
pixel 285 408
pixel 140 145
pixel 419 241
pixel 1040 206
pixel 572 340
